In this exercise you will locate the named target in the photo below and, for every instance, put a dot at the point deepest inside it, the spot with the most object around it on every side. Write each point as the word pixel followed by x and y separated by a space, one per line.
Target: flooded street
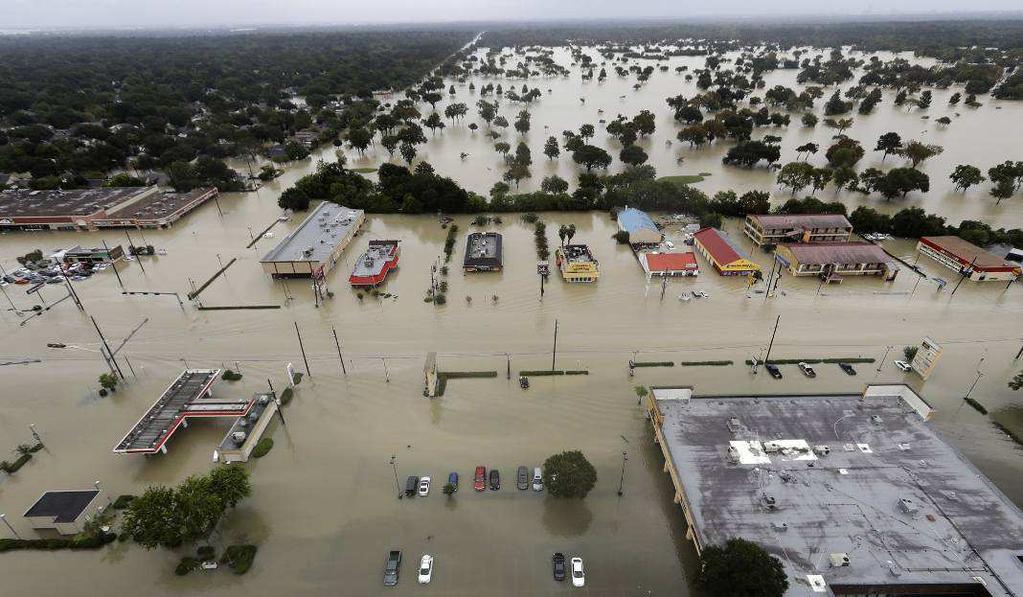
pixel 324 510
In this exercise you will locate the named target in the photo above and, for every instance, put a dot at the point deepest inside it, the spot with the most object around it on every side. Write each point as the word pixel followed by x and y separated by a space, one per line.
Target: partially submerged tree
pixel 741 567
pixel 569 475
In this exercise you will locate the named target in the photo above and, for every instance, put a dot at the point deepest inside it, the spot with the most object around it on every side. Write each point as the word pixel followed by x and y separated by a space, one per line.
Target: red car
pixel 480 479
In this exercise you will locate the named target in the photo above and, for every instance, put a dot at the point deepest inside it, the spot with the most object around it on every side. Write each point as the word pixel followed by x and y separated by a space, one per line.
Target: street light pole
pixel 394 466
pixel 621 480
pixel 3 517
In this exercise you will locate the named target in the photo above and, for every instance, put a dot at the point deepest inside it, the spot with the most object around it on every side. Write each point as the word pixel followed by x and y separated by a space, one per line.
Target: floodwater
pixel 324 510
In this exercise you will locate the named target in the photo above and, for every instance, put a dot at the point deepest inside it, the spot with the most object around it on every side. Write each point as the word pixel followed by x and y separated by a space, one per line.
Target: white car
pixel 426 569
pixel 903 365
pixel 424 486
pixel 578 577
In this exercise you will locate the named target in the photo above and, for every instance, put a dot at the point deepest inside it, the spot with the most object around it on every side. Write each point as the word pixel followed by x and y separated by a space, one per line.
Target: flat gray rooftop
pixel 83 202
pixel 318 235
pixel 887 492
pixel 184 398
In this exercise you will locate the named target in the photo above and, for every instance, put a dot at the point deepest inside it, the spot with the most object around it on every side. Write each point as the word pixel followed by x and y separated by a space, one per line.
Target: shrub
pixel 239 557
pixel 206 552
pixel 263 446
pixel 621 237
pixel 287 395
pixel 123 500
pixel 230 375
pixel 186 565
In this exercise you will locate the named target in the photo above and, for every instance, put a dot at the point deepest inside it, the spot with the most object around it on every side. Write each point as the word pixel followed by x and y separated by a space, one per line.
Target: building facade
pixel 577 264
pixel 315 247
pixel 718 249
pixel 641 228
pixel 833 260
pixel 774 229
pixel 966 258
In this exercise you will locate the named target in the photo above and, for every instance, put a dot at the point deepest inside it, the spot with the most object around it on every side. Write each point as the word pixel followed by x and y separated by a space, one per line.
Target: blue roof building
pixel 639 225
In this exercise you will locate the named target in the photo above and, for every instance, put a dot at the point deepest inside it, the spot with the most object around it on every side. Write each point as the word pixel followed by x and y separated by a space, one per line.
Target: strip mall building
pixel 964 257
pixel 719 250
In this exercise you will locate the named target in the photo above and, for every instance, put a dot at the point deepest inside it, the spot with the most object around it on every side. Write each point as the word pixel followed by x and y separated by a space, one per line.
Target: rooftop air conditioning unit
pixel 839 560
pixel 238 437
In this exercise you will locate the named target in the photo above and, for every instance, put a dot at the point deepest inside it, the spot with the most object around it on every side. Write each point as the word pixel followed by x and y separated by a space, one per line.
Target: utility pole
pixel 109 353
pixel 1019 354
pixel 770 279
pixel 554 352
pixel 71 288
pixel 387 374
pixel 973 385
pixel 621 480
pixel 508 361
pixel 963 274
pixel 338 344
pixel 302 347
pixel 664 286
pixel 280 407
pixel 131 246
pixel 113 264
pixel 771 343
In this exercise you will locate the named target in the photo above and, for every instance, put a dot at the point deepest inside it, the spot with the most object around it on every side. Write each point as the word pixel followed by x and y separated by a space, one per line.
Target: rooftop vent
pixel 839 560
pixel 908 506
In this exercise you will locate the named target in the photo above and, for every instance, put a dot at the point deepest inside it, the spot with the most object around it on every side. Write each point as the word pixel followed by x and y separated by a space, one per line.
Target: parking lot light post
pixel 3 517
pixel 394 466
pixel 621 480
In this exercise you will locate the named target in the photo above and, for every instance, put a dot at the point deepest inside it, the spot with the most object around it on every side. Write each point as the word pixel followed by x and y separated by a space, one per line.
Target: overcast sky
pixel 37 14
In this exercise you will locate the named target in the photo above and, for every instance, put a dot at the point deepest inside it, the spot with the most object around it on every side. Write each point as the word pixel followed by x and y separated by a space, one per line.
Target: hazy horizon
pixel 156 14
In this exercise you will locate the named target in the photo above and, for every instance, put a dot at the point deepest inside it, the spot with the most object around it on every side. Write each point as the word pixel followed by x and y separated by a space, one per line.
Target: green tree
pixel 554 185
pixel 909 352
pixel 587 131
pixel 154 519
pixel 522 122
pixel 897 182
pixel 433 122
pixel 633 155
pixel 918 152
pixel 889 143
pixel 123 179
pixel 965 176
pixel 796 176
pixel 592 157
pixel 360 138
pixel 108 381
pixel 569 475
pixel 502 148
pixel 755 202
pixel 551 149
pixel 741 567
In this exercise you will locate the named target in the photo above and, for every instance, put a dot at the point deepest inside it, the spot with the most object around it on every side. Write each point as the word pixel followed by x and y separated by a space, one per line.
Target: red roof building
pixel 717 248
pixel 669 264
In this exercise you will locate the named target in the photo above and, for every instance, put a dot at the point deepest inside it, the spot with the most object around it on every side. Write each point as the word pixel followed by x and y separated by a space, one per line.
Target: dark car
pixel 479 481
pixel 453 480
pixel 773 370
pixel 522 478
pixel 392 568
pixel 495 480
pixel 847 368
pixel 559 566
pixel 524 382
pixel 411 485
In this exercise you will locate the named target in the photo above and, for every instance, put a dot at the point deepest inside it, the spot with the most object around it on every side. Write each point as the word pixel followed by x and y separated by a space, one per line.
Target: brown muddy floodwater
pixel 324 510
